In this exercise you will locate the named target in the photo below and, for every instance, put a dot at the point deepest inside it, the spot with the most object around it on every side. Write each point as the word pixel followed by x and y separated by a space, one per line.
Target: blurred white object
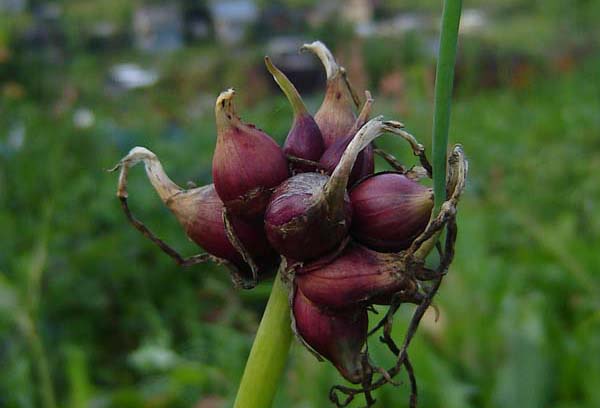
pixel 16 137
pixel 472 20
pixel 131 76
pixel 153 357
pixel 83 118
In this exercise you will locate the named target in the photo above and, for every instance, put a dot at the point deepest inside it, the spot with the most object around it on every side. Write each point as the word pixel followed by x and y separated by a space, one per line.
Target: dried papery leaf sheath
pixel 390 210
pixel 338 336
pixel 336 115
pixel 304 140
pixel 163 185
pixel 357 275
pixel 336 185
pixel 365 162
pixel 247 163
pixel 458 168
pixel 308 215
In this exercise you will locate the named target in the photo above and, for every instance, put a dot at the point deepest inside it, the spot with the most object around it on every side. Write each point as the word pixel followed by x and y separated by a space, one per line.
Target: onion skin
pixel 338 336
pixel 200 212
pixel 247 163
pixel 367 167
pixel 304 140
pixel 298 222
pixel 389 211
pixel 357 275
pixel 336 115
pixel 308 214
pixel 365 161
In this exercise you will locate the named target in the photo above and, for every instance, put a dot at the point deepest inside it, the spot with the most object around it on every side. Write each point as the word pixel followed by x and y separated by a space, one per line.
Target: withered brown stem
pixel 368 378
pixel 351 89
pixel 423 244
pixel 165 189
pixel 414 391
pixel 391 344
pixel 390 159
pixel 417 148
pixel 180 260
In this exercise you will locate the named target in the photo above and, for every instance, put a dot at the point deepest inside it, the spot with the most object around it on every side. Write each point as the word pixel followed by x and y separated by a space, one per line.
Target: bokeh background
pixel 93 315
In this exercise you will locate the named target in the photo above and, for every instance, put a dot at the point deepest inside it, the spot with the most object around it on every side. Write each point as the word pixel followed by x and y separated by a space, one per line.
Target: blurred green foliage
pixel 92 314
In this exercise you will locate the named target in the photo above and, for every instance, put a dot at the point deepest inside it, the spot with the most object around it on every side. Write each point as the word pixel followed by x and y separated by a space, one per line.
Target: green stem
pixel 443 97
pixel 268 356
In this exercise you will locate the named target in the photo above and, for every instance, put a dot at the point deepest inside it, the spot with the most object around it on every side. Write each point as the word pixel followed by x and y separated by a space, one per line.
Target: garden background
pixel 94 315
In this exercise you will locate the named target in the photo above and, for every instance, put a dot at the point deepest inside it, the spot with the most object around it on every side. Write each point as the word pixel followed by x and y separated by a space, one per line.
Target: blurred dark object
pixel 302 69
pixel 45 37
pixel 197 21
pixel 106 36
pixel 276 19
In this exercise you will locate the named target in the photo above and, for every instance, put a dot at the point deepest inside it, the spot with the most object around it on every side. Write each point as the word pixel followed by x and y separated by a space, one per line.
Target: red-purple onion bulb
pixel 200 212
pixel 389 211
pixel 304 140
pixel 247 163
pixel 338 336
pixel 299 221
pixel 357 275
pixel 365 162
pixel 336 115
pixel 308 214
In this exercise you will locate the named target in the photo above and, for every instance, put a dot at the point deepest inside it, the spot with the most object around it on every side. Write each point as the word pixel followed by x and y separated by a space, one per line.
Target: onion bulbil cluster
pixel 344 237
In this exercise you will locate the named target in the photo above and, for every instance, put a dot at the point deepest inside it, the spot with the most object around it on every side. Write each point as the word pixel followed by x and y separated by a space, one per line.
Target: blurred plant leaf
pixel 524 377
